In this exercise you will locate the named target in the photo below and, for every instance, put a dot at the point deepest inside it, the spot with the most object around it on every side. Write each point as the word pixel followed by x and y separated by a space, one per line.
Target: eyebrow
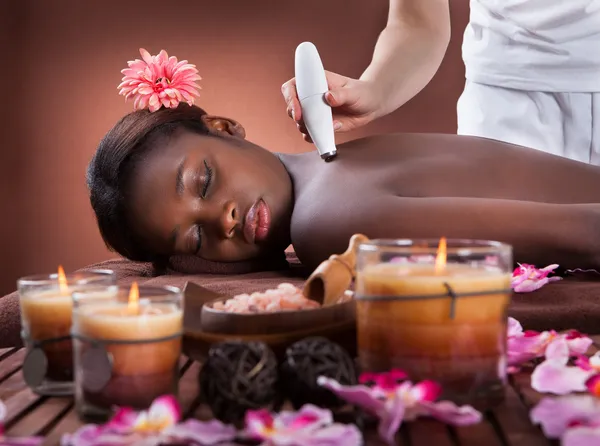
pixel 179 178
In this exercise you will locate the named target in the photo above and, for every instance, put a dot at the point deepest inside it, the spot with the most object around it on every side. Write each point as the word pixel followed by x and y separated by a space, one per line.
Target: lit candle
pixel 46 312
pixel 407 319
pixel 142 337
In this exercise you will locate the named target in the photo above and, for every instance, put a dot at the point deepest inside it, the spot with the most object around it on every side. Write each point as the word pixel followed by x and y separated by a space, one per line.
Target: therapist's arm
pixel 409 51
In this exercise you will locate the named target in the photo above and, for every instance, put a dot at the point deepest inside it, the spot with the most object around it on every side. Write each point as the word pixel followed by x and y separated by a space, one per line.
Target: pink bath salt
pixel 272 307
pixel 288 287
pixel 311 304
pixel 286 297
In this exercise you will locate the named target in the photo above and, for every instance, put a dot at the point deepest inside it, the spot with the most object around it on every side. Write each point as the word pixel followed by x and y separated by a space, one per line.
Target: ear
pixel 219 126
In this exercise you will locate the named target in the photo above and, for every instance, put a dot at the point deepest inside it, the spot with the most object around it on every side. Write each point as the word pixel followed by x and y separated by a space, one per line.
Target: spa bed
pixel 573 303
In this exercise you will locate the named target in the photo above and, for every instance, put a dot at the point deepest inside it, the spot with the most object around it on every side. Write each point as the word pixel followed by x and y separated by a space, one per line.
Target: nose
pixel 229 219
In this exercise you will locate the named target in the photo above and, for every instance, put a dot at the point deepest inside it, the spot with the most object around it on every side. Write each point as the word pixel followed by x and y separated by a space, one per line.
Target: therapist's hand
pixel 354 102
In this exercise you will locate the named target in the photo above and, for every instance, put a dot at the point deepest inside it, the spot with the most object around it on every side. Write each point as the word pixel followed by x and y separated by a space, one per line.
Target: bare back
pixel 375 173
pixel 431 165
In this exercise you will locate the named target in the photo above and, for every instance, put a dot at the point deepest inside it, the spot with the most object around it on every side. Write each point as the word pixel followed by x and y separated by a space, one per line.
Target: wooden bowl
pixel 280 322
pixel 204 326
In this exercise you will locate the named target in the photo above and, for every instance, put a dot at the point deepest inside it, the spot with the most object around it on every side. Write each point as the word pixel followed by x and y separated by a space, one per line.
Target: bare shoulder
pixel 317 229
pixel 323 226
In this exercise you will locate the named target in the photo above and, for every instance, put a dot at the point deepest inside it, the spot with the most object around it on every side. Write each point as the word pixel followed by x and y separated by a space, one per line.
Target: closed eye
pixel 208 175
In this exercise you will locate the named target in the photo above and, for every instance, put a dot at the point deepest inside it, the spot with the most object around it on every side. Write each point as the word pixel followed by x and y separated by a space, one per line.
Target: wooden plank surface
pixel 507 425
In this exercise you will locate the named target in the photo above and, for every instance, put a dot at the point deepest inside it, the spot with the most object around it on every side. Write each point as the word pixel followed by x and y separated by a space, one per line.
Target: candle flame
pixel 440 258
pixel 134 298
pixel 62 280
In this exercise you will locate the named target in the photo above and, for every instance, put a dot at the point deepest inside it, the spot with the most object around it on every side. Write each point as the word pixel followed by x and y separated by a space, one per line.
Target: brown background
pixel 60 65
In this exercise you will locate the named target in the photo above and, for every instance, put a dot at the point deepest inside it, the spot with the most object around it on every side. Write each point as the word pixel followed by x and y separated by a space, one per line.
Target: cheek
pixel 155 223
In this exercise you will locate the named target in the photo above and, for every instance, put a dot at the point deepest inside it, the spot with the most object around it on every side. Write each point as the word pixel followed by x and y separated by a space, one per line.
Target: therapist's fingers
pixel 302 129
pixel 290 95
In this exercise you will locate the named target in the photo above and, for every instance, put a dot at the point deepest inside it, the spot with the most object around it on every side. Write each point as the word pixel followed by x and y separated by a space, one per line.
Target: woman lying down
pixel 179 181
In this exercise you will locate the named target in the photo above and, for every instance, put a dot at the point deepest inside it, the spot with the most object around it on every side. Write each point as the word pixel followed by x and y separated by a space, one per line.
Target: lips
pixel 257 222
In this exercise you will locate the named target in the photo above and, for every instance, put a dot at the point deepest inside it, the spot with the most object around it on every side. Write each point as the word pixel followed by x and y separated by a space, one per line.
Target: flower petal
pixel 360 396
pixel 527 278
pixel 529 285
pixel 520 349
pixel 581 436
pixel 426 391
pixel 390 418
pixel 333 435
pixel 558 350
pixel 593 384
pixel 146 56
pixel 258 422
pixel 308 417
pixel 556 414
pixel 163 412
pixel 92 435
pixel 514 327
pixel 448 412
pixel 578 343
pixel 203 433
pixel 554 376
pixel 123 421
pixel 583 362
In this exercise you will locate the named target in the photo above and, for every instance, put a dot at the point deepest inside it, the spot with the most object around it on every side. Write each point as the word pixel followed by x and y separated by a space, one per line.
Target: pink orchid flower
pixel 310 426
pixel 574 419
pixel 159 425
pixel 158 81
pixel 527 278
pixel 524 346
pixel 555 376
pixel 15 441
pixel 403 401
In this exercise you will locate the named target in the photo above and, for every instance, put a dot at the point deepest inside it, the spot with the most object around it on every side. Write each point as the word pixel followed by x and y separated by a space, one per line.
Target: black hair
pixel 117 156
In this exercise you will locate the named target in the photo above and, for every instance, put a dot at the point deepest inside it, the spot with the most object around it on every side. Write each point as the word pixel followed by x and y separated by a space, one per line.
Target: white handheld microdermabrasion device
pixel 311 85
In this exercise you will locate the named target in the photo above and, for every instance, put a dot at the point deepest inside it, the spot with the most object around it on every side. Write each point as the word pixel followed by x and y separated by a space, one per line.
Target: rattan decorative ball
pixel 239 376
pixel 308 359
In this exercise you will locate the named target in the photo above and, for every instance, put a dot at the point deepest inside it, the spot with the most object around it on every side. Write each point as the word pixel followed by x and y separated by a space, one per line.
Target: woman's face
pixel 220 198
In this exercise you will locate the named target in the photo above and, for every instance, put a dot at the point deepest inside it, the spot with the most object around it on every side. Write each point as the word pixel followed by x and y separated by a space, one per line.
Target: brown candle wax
pixel 140 371
pixel 47 315
pixel 420 336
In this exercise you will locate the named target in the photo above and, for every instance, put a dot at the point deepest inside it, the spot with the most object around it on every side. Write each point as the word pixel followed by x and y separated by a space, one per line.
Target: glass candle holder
pixel 126 351
pixel 46 308
pixel 441 319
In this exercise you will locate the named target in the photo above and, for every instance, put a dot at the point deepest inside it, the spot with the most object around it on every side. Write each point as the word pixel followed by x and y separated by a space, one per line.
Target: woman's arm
pixel 539 233
pixel 408 53
pixel 409 50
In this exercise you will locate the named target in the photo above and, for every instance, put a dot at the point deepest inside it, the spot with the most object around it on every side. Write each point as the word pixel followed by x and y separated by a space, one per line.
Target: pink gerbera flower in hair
pixel 159 81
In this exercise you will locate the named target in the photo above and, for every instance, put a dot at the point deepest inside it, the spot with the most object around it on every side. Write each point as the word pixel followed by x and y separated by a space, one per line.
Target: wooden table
pixel 508 425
